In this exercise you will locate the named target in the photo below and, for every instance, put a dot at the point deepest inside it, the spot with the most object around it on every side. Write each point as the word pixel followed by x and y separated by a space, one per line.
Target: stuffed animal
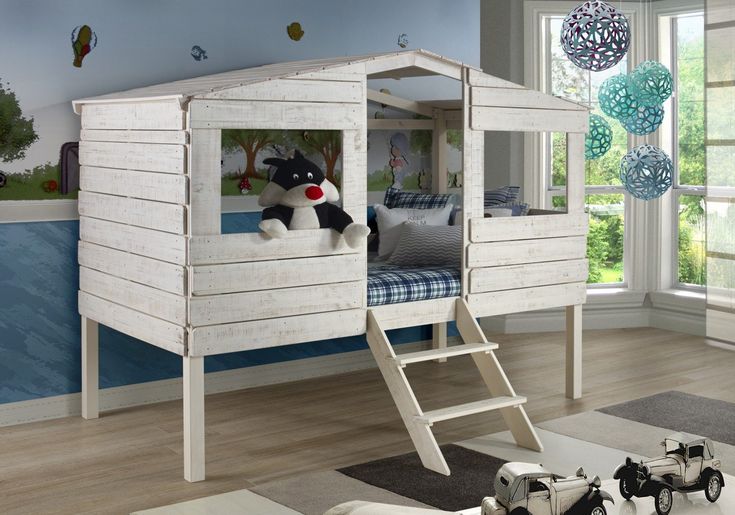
pixel 298 196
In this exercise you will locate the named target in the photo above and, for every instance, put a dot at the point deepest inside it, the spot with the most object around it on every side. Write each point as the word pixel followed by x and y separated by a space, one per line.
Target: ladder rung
pixel 447 352
pixel 470 408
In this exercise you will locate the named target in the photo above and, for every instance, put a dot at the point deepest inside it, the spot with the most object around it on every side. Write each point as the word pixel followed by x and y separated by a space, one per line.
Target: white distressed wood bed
pixel 155 265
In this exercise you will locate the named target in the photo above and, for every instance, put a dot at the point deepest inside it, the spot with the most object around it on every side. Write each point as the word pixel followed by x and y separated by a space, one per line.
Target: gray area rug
pixel 681 412
pixel 471 480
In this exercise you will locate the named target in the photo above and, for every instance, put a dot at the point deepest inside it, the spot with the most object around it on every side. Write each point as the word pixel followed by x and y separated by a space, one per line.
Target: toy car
pixel 528 489
pixel 688 466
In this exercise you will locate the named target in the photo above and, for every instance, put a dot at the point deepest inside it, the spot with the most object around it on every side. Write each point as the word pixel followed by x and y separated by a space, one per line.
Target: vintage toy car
pixel 525 488
pixel 688 466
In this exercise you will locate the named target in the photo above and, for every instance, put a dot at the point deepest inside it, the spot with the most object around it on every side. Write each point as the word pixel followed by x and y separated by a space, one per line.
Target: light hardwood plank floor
pixel 131 459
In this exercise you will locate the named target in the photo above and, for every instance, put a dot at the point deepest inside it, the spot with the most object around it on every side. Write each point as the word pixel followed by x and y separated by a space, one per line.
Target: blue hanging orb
pixel 651 83
pixel 615 97
pixel 598 139
pixel 595 36
pixel 646 172
pixel 645 120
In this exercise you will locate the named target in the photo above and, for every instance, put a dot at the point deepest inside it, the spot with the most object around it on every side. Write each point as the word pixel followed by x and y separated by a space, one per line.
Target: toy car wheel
pixel 664 500
pixel 598 510
pixel 713 488
pixel 627 485
pixel 520 511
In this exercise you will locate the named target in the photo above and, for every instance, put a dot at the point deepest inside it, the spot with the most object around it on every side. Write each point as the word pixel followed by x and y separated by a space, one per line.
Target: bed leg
pixel 193 418
pixel 574 351
pixel 439 339
pixel 90 368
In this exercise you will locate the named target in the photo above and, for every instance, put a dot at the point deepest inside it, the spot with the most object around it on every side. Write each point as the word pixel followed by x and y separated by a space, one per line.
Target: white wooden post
pixel 439 185
pixel 575 204
pixel 193 418
pixel 90 368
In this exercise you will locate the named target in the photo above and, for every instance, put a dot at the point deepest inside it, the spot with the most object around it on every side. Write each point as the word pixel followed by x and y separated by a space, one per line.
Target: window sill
pixel 679 300
pixel 614 297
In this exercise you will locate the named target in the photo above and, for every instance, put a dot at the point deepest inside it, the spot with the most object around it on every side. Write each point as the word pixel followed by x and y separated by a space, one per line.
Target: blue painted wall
pixel 40 330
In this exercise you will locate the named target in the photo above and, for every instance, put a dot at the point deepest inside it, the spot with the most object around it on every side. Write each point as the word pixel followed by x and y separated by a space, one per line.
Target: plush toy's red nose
pixel 314 193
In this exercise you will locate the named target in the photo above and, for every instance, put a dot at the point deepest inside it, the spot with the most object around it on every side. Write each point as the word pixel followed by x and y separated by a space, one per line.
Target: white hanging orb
pixel 595 36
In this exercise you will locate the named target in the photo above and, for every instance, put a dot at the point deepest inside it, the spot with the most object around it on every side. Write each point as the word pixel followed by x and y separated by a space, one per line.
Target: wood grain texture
pixel 528 227
pixel 148 157
pixel 526 251
pixel 528 120
pixel 136 240
pixel 258 334
pixel 135 136
pixel 246 247
pixel 130 459
pixel 147 214
pixel 525 276
pixel 139 325
pixel 161 187
pixel 194 419
pixel 524 98
pixel 158 274
pixel 392 316
pixel 241 307
pixel 527 299
pixel 295 90
pixel 90 369
pixel 166 115
pixel 205 210
pixel 285 273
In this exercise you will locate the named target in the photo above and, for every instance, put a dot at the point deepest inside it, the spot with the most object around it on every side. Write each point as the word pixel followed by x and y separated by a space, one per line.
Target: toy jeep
pixel 688 466
pixel 524 488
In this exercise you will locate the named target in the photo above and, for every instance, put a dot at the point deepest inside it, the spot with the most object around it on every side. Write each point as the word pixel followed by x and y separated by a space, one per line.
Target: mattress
pixel 389 284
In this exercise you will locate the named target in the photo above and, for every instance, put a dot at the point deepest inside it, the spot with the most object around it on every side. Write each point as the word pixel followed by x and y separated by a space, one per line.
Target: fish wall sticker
pixel 83 41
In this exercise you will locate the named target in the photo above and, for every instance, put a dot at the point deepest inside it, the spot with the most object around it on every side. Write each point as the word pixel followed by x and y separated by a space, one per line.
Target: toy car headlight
pixel 716 464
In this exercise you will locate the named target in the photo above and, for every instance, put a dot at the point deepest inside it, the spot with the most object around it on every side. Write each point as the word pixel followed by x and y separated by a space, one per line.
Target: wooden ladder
pixel 419 422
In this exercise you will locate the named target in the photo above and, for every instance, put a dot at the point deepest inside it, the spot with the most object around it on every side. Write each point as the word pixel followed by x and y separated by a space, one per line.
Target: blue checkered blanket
pixel 389 284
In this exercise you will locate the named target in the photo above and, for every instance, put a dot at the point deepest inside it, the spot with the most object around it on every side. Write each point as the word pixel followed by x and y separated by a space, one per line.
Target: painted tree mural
pixel 16 132
pixel 251 142
pixel 329 145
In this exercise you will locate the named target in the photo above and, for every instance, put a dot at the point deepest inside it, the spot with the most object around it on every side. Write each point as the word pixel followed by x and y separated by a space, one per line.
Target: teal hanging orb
pixel 645 120
pixel 595 36
pixel 651 83
pixel 598 139
pixel 646 172
pixel 615 97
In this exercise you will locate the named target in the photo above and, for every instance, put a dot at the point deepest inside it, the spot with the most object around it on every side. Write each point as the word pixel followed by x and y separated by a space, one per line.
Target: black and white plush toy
pixel 298 196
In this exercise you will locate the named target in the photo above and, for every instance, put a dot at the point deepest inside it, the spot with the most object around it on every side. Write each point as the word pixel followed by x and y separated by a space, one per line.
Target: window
pixel 688 149
pixel 605 194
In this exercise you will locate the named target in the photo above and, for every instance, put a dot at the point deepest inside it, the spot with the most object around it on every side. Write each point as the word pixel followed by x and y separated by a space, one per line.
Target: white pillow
pixel 390 220
pixel 498 212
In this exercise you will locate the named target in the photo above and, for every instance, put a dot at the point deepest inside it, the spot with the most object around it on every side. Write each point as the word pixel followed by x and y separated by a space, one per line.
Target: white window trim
pixel 649 243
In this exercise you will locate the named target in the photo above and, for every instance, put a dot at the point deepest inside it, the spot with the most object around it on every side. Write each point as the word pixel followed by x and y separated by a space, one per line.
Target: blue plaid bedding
pixel 389 284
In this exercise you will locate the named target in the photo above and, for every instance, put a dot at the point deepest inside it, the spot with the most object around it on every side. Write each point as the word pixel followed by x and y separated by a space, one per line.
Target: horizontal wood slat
pixel 149 157
pixel 410 314
pixel 524 98
pixel 242 307
pixel 246 247
pixel 284 273
pixel 158 274
pixel 144 242
pixel 527 120
pixel 294 90
pixel 528 227
pixel 526 251
pixel 157 303
pixel 527 299
pixel 135 136
pixel 234 114
pixel 142 213
pixel 274 332
pixel 526 276
pixel 479 78
pixel 155 331
pixel 166 115
pixel 161 187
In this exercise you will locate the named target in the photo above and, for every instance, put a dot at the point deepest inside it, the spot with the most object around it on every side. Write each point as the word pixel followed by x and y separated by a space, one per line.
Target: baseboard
pixel 216 382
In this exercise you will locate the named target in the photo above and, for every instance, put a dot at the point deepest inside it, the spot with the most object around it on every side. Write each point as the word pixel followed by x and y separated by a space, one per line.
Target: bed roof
pixel 407 63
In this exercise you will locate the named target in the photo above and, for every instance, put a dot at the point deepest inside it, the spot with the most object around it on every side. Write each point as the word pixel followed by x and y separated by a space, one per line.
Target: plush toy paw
pixel 355 234
pixel 273 228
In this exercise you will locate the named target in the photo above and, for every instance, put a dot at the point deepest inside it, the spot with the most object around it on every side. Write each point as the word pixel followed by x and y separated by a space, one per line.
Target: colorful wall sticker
pixel 198 53
pixel 83 41
pixel 403 40
pixel 295 31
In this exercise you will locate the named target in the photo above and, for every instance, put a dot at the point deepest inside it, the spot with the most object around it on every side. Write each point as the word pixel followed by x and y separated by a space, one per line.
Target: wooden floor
pixel 131 459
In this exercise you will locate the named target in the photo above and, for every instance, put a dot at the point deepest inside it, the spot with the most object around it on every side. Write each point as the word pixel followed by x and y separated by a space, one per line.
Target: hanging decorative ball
pixel 651 83
pixel 645 120
pixel 595 36
pixel 615 97
pixel 646 172
pixel 598 139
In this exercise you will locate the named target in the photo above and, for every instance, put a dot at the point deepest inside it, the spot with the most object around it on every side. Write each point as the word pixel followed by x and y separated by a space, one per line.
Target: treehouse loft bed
pixel 155 265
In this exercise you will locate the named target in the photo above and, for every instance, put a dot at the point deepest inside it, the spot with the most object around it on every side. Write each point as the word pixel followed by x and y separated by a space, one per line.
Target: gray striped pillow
pixel 428 245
